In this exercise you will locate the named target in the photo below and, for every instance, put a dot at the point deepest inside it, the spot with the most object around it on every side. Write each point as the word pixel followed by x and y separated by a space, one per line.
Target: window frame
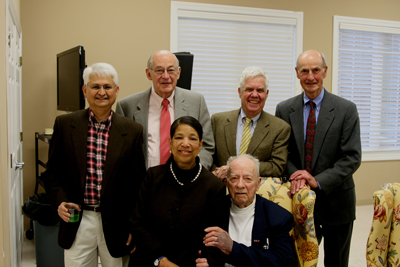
pixel 236 13
pixel 367 25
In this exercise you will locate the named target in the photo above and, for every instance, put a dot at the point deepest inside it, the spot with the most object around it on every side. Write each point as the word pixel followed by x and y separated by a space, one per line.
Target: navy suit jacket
pixel 271 222
pixel 336 154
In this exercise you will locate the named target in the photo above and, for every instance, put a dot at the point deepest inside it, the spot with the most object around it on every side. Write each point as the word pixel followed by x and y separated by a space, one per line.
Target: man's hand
pixel 201 262
pixel 129 242
pixel 221 173
pixel 219 238
pixel 302 178
pixel 63 210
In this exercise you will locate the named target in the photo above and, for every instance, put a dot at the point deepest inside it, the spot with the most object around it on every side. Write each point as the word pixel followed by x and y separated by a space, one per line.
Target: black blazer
pixel 64 180
pixel 170 219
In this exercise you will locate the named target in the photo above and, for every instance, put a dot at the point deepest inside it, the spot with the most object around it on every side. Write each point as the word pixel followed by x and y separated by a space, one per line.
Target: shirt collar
pixel 242 115
pixel 317 101
pixel 248 209
pixel 158 99
pixel 93 120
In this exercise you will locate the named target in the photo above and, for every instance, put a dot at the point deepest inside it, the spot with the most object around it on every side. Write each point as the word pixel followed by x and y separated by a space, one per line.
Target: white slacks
pixel 90 243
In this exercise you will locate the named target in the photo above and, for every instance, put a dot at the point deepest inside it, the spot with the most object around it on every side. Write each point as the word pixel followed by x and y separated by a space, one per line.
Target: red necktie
pixel 310 133
pixel 165 126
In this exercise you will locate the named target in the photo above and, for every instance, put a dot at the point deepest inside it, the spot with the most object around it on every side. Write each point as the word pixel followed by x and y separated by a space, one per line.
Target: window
pixel 366 70
pixel 227 39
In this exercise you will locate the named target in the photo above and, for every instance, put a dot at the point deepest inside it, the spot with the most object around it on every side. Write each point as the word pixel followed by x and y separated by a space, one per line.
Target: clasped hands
pixel 221 173
pixel 302 178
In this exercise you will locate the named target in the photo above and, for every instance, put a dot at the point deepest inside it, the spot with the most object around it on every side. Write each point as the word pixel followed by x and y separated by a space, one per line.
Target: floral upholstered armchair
pixel 301 205
pixel 383 246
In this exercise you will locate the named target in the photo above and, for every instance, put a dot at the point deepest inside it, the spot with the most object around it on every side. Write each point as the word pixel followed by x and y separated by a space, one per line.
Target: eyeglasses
pixel 161 71
pixel 98 86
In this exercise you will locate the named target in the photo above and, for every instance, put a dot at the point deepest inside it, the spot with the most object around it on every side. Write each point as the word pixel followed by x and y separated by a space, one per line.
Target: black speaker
pixel 186 64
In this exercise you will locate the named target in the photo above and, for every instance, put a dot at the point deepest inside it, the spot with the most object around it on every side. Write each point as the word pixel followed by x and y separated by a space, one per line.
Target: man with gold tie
pixel 250 130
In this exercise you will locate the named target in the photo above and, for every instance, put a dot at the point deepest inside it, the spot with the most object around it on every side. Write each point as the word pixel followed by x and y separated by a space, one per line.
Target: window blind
pixel 225 42
pixel 368 73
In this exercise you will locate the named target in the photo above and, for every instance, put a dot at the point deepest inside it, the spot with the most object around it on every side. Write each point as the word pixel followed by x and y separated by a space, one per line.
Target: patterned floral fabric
pixel 301 205
pixel 383 246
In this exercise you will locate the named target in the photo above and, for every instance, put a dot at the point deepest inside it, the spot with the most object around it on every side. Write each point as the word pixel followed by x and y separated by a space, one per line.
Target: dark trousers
pixel 337 240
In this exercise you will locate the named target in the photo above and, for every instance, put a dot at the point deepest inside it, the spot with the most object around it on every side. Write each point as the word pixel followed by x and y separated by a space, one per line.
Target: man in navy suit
pixel 257 229
pixel 328 162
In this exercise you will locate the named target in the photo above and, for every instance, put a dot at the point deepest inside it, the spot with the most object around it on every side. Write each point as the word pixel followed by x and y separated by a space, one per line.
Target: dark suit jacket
pixel 271 222
pixel 187 103
pixel 124 170
pixel 336 154
pixel 170 219
pixel 268 143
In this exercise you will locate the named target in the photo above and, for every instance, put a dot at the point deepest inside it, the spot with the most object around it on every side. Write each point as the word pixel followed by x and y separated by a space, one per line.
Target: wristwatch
pixel 157 261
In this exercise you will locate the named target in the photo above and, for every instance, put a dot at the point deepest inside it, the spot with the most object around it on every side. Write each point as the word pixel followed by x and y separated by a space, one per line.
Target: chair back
pixel 301 205
pixel 383 245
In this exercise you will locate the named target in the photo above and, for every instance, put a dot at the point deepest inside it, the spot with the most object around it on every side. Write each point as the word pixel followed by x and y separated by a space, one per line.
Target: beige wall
pixel 124 34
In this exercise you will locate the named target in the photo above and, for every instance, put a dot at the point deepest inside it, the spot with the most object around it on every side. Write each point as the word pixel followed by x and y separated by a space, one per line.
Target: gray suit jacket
pixel 187 103
pixel 336 154
pixel 268 143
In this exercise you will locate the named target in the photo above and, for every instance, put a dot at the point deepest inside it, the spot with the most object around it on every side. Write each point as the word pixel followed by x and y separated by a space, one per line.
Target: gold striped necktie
pixel 245 137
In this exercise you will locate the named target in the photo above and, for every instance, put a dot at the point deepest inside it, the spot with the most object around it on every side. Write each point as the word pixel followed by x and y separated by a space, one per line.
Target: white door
pixel 14 115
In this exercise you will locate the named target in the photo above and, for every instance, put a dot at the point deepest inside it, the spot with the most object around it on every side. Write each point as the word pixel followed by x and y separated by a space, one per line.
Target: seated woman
pixel 177 201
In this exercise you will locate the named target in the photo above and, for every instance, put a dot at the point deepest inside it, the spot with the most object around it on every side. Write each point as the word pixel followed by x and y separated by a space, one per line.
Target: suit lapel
pixel 297 124
pixel 141 115
pixel 259 225
pixel 114 148
pixel 230 129
pixel 181 107
pixel 79 140
pixel 325 119
pixel 260 133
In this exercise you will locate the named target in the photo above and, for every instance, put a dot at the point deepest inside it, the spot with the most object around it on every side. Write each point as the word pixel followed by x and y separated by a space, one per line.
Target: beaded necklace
pixel 194 179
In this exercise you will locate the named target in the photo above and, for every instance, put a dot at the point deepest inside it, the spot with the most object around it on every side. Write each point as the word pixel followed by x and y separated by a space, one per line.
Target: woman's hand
pixel 164 262
pixel 201 262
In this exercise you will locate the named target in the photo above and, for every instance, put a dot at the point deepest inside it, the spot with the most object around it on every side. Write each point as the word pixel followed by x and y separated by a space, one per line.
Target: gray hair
pixel 150 60
pixel 252 72
pixel 100 69
pixel 252 158
pixel 320 53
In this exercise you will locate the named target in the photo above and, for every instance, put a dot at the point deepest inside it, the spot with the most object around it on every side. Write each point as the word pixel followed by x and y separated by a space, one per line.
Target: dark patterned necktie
pixel 310 133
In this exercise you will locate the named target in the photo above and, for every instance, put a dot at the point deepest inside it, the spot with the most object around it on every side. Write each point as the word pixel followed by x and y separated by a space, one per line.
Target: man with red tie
pixel 324 152
pixel 157 107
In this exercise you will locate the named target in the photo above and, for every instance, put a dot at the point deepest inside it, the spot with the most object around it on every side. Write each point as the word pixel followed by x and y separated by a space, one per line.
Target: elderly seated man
pixel 258 229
